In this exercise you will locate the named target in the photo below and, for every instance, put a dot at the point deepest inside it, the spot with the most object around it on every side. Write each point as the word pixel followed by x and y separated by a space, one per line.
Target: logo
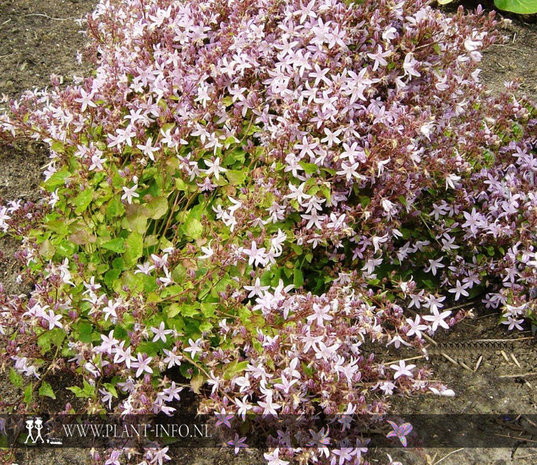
pixel 34 427
pixel 36 424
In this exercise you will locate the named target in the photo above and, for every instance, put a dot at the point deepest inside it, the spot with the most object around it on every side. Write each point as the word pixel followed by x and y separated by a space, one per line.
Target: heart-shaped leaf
pixel 523 7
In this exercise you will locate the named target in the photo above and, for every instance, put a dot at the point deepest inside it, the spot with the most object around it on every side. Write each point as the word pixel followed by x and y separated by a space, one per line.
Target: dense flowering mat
pixel 250 198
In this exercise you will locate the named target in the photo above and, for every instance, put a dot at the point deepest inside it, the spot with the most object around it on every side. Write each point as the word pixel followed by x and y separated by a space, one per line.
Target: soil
pixel 37 39
pixel 514 60
pixel 40 38
pixel 499 385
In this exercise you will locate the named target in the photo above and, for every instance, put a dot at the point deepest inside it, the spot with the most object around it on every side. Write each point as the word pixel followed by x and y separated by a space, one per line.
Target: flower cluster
pixel 257 196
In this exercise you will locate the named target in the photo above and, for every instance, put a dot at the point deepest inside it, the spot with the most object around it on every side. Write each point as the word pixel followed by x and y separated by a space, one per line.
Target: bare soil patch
pixel 516 60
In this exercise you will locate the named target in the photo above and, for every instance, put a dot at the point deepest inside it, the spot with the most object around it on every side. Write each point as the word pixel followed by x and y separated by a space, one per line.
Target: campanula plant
pixel 253 195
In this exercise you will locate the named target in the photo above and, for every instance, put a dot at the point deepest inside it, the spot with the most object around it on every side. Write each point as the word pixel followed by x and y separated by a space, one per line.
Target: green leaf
pixel 111 388
pixel 116 245
pixel 296 248
pixel 118 263
pixel 29 393
pixel 364 201
pixel 189 310
pixel 120 332
pixel 78 392
pixel 15 378
pixel 309 168
pixel 205 326
pixel 46 390
pixel 193 228
pixel 47 250
pixel 253 129
pixel 111 277
pixel 149 348
pixel 157 207
pixel 221 285
pixel 82 200
pixel 236 177
pixel 58 226
pixel 173 309
pixel 326 192
pixel 57 146
pixel 429 284
pixel 49 338
pixel 66 248
pixel 208 309
pixel 522 7
pixel 136 218
pixel 150 283
pixel 308 370
pixel 135 247
pixel 115 208
pixel 57 180
pixel 179 273
pixel 134 282
pixel 85 331
pixel 236 156
pixel 234 369
pixel 180 185
pixel 298 278
pixel 80 235
pixel 87 391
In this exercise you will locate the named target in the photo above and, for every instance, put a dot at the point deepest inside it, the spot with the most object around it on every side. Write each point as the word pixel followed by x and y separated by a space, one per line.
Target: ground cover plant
pixel 251 193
